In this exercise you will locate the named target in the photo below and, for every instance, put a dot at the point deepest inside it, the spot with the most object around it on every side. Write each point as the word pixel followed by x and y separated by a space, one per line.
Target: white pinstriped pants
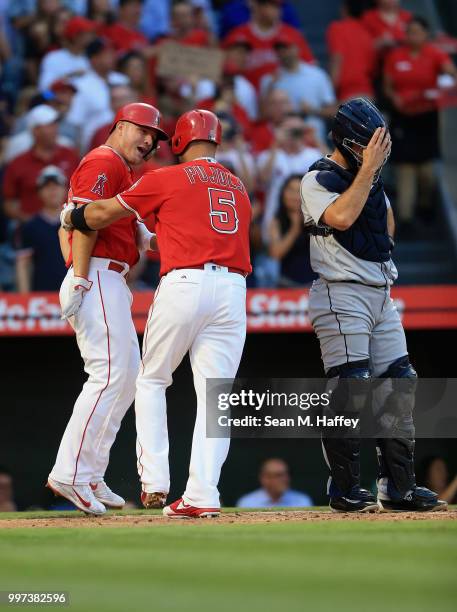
pixel 203 312
pixel 109 347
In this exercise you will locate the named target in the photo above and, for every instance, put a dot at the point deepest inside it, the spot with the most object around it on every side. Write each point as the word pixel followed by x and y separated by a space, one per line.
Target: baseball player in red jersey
pixel 202 222
pixel 102 320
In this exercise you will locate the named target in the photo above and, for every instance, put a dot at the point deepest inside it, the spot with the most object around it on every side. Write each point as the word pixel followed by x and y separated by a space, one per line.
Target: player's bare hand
pixel 377 151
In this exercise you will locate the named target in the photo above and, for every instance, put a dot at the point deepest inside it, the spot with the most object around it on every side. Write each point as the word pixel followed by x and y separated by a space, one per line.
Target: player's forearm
pixel 347 207
pixel 96 215
pixel 64 244
pixel 82 246
pixel 23 274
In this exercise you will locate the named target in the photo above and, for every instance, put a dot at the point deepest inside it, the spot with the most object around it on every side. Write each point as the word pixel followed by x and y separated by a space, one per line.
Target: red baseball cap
pixel 62 85
pixel 78 25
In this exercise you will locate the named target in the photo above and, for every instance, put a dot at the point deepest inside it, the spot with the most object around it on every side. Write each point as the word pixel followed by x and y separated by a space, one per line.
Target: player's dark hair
pixel 5 470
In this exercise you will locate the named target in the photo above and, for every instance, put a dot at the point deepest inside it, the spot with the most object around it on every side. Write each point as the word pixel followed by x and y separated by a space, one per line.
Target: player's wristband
pixel 78 220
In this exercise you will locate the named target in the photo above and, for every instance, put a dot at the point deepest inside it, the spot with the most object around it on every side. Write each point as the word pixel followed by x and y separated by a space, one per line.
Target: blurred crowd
pixel 66 66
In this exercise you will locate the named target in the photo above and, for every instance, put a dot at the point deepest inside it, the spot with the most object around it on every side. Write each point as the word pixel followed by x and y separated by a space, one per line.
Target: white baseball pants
pixel 109 347
pixel 203 312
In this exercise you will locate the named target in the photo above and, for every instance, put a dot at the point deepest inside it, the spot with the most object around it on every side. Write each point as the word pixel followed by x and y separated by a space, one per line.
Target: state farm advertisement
pixel 269 310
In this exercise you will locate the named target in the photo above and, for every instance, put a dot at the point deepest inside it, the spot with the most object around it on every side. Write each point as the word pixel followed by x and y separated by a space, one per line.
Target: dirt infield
pixel 243 518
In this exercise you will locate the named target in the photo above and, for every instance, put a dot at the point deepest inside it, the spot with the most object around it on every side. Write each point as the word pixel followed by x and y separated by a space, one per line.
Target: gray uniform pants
pixel 355 322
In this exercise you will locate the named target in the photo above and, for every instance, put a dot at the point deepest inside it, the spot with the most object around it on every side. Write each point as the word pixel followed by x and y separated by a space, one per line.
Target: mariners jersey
pixel 329 258
pixel 202 213
pixel 101 174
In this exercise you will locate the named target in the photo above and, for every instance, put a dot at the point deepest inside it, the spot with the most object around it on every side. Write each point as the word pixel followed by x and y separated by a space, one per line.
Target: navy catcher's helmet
pixel 355 123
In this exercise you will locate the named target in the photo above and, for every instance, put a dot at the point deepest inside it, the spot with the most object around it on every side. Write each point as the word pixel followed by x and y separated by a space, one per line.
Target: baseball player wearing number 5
pixel 96 300
pixel 202 222
pixel 349 218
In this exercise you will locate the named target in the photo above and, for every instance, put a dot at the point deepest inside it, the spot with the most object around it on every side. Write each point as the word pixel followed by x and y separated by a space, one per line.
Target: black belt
pixel 319 230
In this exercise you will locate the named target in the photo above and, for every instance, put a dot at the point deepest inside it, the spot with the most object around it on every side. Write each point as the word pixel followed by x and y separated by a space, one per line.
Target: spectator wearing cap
pixel 352 55
pixel 91 106
pixel 70 61
pixel 275 489
pixel 291 153
pixel 309 87
pixel 58 97
pixel 124 33
pixel 39 262
pixel 21 200
pixel 262 31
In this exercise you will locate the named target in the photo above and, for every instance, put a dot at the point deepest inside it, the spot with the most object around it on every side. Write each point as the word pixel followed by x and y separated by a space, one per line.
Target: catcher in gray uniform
pixel 361 336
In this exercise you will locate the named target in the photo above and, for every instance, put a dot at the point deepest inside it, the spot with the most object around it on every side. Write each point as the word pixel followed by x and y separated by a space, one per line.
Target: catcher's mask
pixel 353 127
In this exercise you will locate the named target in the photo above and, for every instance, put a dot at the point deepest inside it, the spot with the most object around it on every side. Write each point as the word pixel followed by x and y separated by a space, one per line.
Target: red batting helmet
pixel 141 114
pixel 196 125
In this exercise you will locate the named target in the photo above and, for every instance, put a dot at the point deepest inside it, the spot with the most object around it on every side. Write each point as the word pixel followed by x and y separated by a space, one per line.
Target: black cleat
pixel 357 500
pixel 420 499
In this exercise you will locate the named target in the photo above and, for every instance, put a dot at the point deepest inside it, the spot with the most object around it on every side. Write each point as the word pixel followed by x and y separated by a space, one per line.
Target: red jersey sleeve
pixel 144 197
pixel 96 179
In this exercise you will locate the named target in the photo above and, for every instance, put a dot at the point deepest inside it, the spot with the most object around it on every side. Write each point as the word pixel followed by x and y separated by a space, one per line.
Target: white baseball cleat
pixel 79 495
pixel 107 497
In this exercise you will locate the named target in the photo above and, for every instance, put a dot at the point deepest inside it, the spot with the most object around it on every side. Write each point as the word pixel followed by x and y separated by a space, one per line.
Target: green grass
pixel 285 567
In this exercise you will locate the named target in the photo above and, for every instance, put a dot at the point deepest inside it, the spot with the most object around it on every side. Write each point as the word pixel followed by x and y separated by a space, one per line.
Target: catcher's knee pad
pixel 394 399
pixel 342 454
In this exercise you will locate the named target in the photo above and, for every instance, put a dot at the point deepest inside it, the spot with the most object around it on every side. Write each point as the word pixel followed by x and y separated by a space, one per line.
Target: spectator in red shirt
pixel 262 32
pixel 352 56
pixel 21 200
pixel 386 23
pixel 411 84
pixel 275 106
pixel 125 33
pixel 183 28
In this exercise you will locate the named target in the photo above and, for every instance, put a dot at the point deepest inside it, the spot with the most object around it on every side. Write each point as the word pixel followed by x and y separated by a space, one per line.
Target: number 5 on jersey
pixel 222 214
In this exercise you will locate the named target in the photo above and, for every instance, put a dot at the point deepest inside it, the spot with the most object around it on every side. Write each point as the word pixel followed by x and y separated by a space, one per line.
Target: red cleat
pixel 179 509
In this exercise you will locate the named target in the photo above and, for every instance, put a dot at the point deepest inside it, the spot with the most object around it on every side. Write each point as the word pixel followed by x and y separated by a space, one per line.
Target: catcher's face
pixel 136 141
